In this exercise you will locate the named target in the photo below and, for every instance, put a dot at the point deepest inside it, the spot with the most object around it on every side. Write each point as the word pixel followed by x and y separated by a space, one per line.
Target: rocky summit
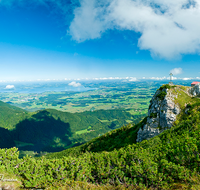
pixel 162 113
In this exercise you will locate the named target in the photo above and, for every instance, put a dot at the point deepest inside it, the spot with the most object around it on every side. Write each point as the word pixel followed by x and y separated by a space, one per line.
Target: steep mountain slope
pixel 170 160
pixel 10 115
pixel 162 112
pixel 166 107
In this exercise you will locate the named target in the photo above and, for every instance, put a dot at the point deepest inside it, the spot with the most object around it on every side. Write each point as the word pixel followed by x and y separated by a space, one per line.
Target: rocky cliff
pixel 162 113
pixel 195 91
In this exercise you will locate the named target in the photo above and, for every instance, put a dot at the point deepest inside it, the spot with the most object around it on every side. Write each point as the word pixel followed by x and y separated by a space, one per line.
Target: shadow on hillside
pixel 6 139
pixel 42 132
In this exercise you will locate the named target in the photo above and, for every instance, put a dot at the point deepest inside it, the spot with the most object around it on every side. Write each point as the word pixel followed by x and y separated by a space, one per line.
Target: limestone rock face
pixel 161 115
pixel 195 91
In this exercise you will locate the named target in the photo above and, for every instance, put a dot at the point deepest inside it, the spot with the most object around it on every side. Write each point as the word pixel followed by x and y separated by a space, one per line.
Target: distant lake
pixel 40 87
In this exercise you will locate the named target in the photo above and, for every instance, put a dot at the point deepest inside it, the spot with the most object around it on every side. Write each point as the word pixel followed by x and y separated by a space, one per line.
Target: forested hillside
pixel 10 115
pixel 51 130
pixel 112 140
pixel 170 160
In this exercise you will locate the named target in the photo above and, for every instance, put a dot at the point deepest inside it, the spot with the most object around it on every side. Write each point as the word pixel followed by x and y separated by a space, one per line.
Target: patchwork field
pixel 132 96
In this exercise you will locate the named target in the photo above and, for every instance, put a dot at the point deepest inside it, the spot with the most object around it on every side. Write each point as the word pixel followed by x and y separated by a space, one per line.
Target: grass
pixel 129 121
pixel 182 97
pixel 29 153
pixel 105 121
pixel 21 144
pixel 82 132
pixel 79 185
pixel 138 112
pixel 185 88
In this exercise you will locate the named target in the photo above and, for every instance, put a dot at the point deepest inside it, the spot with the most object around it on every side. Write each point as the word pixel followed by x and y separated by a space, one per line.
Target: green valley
pixel 52 130
pixel 133 96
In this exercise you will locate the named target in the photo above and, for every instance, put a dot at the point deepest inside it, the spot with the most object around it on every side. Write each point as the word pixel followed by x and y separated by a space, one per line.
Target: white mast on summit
pixel 171 78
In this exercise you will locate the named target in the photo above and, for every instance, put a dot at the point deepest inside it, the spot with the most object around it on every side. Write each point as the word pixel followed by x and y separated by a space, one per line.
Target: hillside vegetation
pixel 10 115
pixel 170 160
pixel 112 140
pixel 51 130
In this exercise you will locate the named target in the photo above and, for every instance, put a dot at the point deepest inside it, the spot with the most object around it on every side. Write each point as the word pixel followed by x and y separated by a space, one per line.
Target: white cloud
pixel 110 78
pixel 159 78
pixel 133 79
pixel 88 22
pixel 74 84
pixel 173 78
pixel 168 28
pixel 176 71
pixel 187 78
pixel 9 87
pixel 104 78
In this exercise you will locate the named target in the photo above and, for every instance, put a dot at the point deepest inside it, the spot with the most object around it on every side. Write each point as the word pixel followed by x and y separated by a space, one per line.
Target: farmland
pixel 106 95
pixel 134 97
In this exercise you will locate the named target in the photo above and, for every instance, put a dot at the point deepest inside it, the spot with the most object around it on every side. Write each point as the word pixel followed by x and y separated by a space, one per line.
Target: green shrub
pixel 161 95
pixel 153 115
pixel 166 86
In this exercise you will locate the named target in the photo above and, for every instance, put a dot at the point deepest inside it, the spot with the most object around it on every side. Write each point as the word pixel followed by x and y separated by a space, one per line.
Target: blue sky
pixel 48 39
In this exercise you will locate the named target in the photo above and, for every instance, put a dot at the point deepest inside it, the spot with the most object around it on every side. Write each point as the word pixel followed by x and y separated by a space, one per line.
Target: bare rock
pixel 161 115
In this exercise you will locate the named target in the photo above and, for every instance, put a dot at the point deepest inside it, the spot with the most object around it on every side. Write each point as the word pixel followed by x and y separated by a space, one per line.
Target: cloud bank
pixel 168 28
pixel 133 79
pixel 74 84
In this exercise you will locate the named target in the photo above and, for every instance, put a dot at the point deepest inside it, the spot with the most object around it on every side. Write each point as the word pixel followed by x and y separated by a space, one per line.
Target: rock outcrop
pixel 161 114
pixel 195 91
